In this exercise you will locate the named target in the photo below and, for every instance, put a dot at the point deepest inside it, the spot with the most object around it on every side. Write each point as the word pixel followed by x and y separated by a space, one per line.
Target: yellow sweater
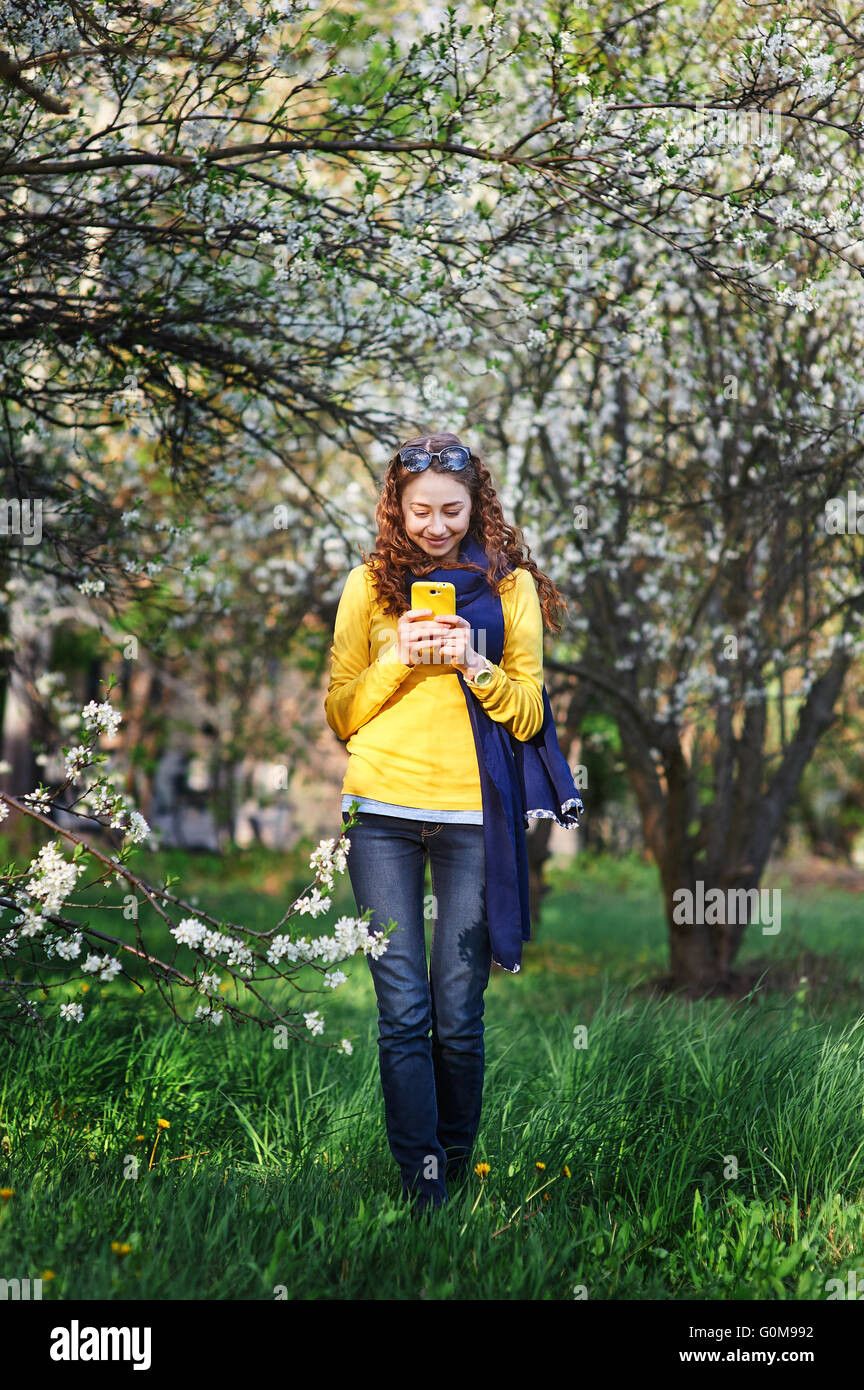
pixel 408 730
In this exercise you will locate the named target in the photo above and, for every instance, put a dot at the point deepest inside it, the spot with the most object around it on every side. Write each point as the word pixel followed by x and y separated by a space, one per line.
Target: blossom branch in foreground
pixel 35 960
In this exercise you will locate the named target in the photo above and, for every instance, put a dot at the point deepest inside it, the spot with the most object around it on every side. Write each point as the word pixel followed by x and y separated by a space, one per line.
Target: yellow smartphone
pixel 437 595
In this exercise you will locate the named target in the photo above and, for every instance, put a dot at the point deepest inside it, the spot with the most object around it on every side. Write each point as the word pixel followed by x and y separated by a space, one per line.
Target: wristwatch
pixel 482 677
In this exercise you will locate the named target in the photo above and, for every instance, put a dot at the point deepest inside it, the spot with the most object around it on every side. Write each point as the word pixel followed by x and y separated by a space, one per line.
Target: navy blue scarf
pixel 518 779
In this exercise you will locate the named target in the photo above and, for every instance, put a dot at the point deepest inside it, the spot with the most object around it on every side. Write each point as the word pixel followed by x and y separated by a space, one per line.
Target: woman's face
pixel 436 511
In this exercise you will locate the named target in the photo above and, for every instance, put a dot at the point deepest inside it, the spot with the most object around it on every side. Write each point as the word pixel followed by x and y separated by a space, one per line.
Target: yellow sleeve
pixel 358 688
pixel 515 697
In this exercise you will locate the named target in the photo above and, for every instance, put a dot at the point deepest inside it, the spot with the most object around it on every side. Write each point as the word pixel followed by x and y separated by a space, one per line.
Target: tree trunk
pixel 702 953
pixel 735 836
pixel 21 725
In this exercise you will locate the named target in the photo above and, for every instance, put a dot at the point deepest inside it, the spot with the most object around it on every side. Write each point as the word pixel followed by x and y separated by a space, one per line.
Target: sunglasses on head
pixel 414 458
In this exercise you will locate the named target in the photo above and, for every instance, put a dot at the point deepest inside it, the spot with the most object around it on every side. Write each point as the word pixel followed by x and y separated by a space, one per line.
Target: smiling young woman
pixel 451 750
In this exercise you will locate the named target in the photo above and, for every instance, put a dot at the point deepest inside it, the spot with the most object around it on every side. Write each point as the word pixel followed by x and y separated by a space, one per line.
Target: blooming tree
pixel 44 950
pixel 282 233
pixel 687 453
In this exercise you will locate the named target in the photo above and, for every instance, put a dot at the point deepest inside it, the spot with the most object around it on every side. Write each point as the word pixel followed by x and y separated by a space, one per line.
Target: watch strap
pixel 486 667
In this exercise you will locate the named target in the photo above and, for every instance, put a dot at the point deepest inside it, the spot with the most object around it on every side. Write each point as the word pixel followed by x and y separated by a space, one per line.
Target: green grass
pixel 715 1150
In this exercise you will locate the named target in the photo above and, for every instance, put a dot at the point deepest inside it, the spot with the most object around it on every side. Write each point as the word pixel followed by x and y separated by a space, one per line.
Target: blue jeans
pixel 433 1087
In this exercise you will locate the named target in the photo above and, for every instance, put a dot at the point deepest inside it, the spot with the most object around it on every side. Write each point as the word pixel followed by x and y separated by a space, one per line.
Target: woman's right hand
pixel 413 635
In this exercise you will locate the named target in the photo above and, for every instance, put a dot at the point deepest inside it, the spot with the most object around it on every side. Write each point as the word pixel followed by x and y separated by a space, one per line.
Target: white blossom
pixel 138 827
pixel 103 717
pixel 75 758
pixel 313 904
pixel 189 932
pixel 52 878
pixel 207 1011
pixel 70 947
pixel 328 859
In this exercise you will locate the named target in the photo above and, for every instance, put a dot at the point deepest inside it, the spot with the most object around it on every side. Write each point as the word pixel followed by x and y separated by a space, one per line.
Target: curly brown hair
pixel 394 553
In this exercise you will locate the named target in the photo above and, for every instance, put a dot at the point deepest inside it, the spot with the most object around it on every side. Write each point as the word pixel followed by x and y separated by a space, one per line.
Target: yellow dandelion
pixel 541 1166
pixel 120 1248
pixel 139 1138
pixel 566 1171
pixel 481 1169
pixel 48 1274
pixel 160 1125
pixel 545 1196
pixel 6 1193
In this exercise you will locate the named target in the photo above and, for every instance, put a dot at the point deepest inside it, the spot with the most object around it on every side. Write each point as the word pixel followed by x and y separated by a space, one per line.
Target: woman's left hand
pixel 457 649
